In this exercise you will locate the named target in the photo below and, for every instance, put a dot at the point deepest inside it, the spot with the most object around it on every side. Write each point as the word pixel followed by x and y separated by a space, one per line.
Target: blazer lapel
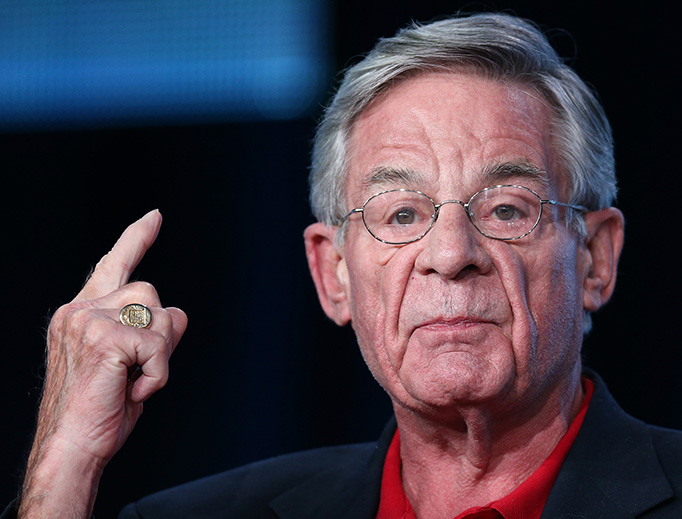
pixel 612 470
pixel 347 491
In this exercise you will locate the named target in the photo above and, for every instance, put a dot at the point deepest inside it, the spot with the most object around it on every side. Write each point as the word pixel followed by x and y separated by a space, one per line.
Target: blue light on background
pixel 87 63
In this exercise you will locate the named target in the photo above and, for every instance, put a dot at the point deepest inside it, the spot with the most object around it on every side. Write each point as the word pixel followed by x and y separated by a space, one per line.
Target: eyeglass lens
pixel 501 212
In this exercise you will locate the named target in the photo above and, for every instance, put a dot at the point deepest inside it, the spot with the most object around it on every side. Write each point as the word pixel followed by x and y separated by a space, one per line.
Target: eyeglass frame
pixel 465 206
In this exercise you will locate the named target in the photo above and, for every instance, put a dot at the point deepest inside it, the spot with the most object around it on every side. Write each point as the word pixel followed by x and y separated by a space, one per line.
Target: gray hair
pixel 496 46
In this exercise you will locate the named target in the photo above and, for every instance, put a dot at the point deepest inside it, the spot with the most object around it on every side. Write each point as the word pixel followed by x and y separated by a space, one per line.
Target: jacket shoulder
pixel 668 446
pixel 246 492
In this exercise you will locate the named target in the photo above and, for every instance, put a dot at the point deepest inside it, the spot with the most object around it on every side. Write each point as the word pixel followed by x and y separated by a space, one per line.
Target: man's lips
pixel 453 322
pixel 442 325
pixel 459 330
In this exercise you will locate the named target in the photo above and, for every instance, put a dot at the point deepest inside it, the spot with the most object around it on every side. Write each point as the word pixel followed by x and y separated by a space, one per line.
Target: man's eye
pixel 505 212
pixel 404 217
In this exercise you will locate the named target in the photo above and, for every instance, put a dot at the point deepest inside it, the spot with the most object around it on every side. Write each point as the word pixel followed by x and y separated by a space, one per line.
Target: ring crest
pixel 136 315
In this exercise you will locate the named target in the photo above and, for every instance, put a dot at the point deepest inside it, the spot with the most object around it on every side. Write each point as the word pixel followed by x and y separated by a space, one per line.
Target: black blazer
pixel 617 468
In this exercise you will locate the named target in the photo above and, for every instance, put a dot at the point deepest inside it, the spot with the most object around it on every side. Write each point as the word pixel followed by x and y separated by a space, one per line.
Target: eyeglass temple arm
pixel 580 208
pixel 343 220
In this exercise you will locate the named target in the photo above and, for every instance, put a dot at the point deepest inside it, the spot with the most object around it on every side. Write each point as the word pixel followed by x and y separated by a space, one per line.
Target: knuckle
pixel 75 324
pixel 62 314
pixel 79 322
pixel 64 319
pixel 162 379
pixel 143 290
pixel 159 343
pixel 163 318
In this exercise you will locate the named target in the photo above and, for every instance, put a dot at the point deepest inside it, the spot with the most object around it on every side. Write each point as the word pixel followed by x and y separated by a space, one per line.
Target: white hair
pixel 496 46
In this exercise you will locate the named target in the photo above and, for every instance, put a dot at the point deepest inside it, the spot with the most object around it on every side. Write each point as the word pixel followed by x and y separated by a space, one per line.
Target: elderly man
pixel 463 179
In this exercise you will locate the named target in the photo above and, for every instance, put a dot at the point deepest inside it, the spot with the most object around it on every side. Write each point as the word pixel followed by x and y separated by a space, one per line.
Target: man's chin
pixel 438 392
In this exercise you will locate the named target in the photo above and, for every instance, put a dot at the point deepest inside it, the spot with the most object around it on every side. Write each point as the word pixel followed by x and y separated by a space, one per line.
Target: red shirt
pixel 525 502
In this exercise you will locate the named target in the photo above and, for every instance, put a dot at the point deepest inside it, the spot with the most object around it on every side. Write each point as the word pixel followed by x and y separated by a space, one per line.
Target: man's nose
pixel 453 246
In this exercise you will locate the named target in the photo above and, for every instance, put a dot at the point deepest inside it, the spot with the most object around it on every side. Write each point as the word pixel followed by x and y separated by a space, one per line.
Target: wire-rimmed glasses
pixel 503 212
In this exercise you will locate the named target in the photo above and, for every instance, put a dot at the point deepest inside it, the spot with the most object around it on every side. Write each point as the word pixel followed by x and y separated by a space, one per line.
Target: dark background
pixel 261 371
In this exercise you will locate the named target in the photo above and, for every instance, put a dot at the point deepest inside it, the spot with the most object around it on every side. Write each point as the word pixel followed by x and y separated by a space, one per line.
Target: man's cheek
pixel 378 290
pixel 516 276
pixel 378 276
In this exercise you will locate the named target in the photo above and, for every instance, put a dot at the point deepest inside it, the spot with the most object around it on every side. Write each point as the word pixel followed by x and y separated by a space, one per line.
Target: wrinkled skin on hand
pixel 99 373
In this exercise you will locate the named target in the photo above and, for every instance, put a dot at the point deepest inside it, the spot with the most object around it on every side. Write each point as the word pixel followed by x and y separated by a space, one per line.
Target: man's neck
pixel 482 456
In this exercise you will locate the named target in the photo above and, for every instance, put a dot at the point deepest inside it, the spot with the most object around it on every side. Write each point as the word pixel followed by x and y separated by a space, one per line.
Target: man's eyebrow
pixel 505 171
pixel 395 176
pixel 497 173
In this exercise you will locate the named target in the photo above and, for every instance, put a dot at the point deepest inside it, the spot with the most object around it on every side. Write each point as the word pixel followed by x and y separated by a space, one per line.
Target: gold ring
pixel 136 315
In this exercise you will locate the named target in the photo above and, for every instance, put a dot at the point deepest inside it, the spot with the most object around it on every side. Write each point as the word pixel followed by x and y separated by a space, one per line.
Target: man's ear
pixel 603 244
pixel 329 271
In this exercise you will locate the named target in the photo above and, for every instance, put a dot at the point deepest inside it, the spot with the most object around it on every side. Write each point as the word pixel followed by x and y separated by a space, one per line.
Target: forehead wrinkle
pixel 503 172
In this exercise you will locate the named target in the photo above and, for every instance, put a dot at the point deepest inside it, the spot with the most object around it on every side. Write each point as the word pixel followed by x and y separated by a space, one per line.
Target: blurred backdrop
pixel 205 110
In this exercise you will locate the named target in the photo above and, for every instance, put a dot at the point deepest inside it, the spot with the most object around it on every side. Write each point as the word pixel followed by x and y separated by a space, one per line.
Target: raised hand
pixel 99 373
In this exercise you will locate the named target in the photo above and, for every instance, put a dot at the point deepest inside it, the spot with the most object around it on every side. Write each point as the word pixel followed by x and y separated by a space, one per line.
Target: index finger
pixel 115 268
